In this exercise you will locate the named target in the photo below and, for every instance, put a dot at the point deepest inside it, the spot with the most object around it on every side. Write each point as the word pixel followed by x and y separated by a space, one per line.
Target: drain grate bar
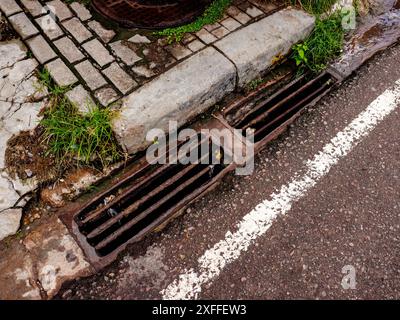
pixel 133 207
pixel 273 114
pixel 150 210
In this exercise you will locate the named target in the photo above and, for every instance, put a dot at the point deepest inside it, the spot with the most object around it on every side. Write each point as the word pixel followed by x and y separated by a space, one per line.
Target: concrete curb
pixel 198 83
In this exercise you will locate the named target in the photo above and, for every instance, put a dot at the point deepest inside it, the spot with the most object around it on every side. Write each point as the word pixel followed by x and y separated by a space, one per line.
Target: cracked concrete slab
pixel 19 87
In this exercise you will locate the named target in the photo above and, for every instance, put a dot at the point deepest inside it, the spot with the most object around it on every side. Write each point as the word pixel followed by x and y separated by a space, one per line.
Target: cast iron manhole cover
pixel 151 14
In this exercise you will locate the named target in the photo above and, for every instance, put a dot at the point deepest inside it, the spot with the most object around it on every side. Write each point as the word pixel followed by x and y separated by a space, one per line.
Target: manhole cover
pixel 151 14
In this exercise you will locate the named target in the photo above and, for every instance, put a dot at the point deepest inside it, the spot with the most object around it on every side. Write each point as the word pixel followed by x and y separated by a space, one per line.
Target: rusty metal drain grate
pixel 146 198
pixel 151 14
pixel 271 116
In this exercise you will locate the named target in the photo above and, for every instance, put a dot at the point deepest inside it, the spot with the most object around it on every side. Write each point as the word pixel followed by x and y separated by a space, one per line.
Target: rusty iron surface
pixel 151 14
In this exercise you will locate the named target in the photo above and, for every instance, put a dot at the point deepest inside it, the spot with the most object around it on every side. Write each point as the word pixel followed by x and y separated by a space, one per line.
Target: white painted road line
pixel 259 220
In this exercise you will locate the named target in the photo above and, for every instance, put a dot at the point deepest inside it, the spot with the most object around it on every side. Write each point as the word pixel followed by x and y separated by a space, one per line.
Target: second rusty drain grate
pixel 269 117
pixel 151 14
pixel 145 197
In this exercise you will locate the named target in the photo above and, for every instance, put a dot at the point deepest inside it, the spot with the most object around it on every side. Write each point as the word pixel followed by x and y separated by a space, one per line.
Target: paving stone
pixel 181 93
pixel 106 96
pixel 231 24
pixel 77 29
pixel 238 15
pixel 220 32
pixel 104 34
pixel 211 27
pixel 266 6
pixel 59 9
pixel 262 41
pixel 206 36
pixel 91 75
pixel 9 7
pixel 69 50
pixel 195 45
pixel 253 11
pixel 98 52
pixel 188 37
pixel 34 7
pixel 60 73
pixel 137 38
pixel 81 11
pixel 120 78
pixel 81 99
pixel 50 27
pixel 126 54
pixel 23 25
pixel 178 51
pixel 41 49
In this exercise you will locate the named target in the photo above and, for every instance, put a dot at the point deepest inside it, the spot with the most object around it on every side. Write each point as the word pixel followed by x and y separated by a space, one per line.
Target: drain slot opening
pixel 275 111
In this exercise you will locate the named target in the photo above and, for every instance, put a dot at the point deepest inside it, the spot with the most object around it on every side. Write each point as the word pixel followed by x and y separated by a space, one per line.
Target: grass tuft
pixel 84 138
pixel 324 44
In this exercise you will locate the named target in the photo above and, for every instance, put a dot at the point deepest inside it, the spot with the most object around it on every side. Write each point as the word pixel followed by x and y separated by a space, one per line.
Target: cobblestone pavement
pixel 100 64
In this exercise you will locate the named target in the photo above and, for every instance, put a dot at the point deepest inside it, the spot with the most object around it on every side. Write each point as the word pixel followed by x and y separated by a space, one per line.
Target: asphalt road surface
pixel 337 237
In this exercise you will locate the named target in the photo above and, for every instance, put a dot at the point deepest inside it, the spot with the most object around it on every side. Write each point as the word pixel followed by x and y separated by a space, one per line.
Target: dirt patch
pixel 27 157
pixel 6 32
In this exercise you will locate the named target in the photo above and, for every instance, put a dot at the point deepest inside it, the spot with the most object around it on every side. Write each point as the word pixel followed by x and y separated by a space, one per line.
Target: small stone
pixel 50 27
pixel 69 50
pixel 41 49
pixel 59 9
pixel 243 279
pixel 104 34
pixel 106 96
pixel 137 38
pixel 9 7
pixel 81 11
pixel 91 75
pixel 81 99
pixel 28 173
pixel 60 73
pixel 34 7
pixel 77 29
pixel 9 222
pixel 126 54
pixel 23 25
pixel 120 78
pixel 98 52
